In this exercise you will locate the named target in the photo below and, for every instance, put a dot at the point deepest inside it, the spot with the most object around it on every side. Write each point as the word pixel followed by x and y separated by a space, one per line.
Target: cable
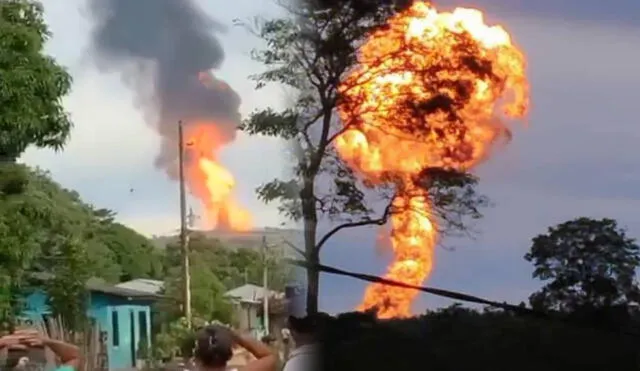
pixel 520 310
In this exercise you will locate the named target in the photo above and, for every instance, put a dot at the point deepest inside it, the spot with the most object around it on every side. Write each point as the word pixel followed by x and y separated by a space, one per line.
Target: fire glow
pixel 431 90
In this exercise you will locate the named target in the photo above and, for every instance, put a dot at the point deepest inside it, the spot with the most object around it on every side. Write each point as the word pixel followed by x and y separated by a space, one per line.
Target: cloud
pixel 109 159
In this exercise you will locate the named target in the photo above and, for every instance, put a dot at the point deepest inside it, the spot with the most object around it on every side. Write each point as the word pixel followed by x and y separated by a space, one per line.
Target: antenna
pixel 191 218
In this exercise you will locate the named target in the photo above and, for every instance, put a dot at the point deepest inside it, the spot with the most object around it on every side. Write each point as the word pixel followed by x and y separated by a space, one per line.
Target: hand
pixel 30 337
pixel 12 342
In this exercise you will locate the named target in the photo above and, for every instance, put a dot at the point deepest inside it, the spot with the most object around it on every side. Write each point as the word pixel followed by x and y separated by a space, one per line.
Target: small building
pixel 248 301
pixel 122 315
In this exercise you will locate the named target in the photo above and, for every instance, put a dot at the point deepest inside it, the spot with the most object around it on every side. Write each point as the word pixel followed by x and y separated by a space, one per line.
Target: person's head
pixel 305 330
pixel 213 348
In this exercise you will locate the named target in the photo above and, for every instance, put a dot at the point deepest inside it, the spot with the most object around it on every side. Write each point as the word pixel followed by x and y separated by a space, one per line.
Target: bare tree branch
pixel 382 220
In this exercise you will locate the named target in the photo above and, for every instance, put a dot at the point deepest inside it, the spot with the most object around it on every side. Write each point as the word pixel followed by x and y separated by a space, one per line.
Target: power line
pixel 517 309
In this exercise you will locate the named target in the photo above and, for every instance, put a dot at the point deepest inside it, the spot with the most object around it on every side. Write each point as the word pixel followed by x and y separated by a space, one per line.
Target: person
pixel 304 332
pixel 22 340
pixel 214 348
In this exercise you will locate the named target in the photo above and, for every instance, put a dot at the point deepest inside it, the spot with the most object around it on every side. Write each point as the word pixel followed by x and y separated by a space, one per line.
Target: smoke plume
pixel 160 48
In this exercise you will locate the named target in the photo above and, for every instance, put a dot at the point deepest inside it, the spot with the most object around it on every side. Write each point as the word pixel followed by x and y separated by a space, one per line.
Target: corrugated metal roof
pixel 99 285
pixel 250 293
pixel 143 284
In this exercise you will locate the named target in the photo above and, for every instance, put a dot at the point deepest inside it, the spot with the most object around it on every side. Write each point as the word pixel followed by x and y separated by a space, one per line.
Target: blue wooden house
pixel 122 314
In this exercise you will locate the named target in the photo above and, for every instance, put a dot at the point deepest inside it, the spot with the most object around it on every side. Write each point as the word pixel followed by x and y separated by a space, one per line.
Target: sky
pixel 573 158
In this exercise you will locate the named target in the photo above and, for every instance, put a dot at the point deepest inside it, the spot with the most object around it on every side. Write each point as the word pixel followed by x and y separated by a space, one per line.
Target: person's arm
pixel 11 341
pixel 68 354
pixel 266 359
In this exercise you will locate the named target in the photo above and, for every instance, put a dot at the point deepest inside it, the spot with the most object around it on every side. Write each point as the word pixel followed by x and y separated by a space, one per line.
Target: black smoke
pixel 159 47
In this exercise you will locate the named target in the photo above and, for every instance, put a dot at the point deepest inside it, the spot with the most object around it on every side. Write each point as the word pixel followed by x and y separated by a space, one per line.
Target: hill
pixel 276 238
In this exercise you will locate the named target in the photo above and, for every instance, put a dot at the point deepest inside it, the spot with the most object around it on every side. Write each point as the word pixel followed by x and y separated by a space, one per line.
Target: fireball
pixel 431 90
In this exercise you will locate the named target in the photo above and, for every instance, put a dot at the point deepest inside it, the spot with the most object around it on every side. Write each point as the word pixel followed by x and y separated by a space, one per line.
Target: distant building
pixel 122 314
pixel 248 306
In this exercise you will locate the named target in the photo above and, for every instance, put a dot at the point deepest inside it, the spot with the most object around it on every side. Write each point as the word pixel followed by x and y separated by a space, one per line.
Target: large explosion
pixel 165 51
pixel 431 91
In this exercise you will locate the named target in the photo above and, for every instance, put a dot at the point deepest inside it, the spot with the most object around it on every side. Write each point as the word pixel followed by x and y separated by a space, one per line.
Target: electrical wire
pixel 516 309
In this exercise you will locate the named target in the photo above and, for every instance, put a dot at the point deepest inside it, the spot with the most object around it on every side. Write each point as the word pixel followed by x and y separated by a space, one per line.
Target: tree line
pixel 588 316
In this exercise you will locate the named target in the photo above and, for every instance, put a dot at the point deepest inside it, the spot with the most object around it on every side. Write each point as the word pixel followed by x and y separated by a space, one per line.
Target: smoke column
pixel 164 51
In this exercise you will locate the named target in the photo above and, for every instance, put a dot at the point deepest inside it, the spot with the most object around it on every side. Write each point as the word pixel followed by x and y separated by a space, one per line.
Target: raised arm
pixel 68 354
pixel 266 358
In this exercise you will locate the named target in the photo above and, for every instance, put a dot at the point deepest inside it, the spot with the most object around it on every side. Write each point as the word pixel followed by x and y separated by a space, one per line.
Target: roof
pixel 105 288
pixel 144 285
pixel 99 285
pixel 250 293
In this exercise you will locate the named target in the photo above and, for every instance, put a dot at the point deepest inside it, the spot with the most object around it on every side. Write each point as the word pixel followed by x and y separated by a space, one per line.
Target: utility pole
pixel 265 285
pixel 184 233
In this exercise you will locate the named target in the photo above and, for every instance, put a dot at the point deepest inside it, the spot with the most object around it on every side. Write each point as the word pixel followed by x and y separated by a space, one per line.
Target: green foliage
pixel 31 83
pixel 457 338
pixel 49 230
pixel 586 263
pixel 130 253
pixel 216 269
pixel 171 342
pixel 42 230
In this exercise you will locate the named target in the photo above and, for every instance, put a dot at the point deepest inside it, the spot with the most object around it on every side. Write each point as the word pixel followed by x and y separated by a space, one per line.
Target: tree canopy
pixel 32 84
pixel 217 268
pixel 585 263
pixel 45 228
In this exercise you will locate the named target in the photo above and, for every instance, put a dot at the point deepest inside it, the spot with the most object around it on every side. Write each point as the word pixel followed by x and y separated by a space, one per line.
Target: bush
pixel 462 339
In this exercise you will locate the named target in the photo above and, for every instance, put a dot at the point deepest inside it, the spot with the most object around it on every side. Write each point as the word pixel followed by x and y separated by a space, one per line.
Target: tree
pixel 132 254
pixel 215 269
pixel 43 229
pixel 309 51
pixel 47 230
pixel 587 263
pixel 489 340
pixel 32 84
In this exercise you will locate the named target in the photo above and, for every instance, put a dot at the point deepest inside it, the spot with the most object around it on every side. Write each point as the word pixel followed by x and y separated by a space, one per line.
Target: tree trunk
pixel 313 285
pixel 310 216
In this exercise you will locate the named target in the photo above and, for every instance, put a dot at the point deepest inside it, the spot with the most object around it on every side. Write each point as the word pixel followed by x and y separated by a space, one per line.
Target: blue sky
pixel 575 157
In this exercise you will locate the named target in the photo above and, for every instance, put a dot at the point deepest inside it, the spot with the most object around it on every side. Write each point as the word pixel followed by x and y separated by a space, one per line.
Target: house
pixel 122 315
pixel 248 301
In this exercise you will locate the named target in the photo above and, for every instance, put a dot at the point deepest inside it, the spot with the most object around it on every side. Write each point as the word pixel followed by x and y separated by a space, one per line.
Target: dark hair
pixel 213 346
pixel 308 325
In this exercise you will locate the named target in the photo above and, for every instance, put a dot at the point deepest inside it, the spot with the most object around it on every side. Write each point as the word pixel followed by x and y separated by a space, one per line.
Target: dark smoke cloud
pixel 158 47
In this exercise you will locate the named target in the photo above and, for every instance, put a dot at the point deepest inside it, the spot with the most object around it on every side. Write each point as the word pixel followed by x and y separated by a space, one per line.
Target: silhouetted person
pixel 305 333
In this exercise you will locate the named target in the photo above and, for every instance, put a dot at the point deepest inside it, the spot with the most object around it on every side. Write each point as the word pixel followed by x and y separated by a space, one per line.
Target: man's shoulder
pixel 301 359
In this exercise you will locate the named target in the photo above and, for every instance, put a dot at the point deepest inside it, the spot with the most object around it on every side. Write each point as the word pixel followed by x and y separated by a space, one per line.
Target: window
pixel 115 328
pixel 142 323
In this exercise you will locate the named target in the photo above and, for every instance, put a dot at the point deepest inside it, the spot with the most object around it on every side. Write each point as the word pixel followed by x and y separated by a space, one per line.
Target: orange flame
pixel 428 93
pixel 207 179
